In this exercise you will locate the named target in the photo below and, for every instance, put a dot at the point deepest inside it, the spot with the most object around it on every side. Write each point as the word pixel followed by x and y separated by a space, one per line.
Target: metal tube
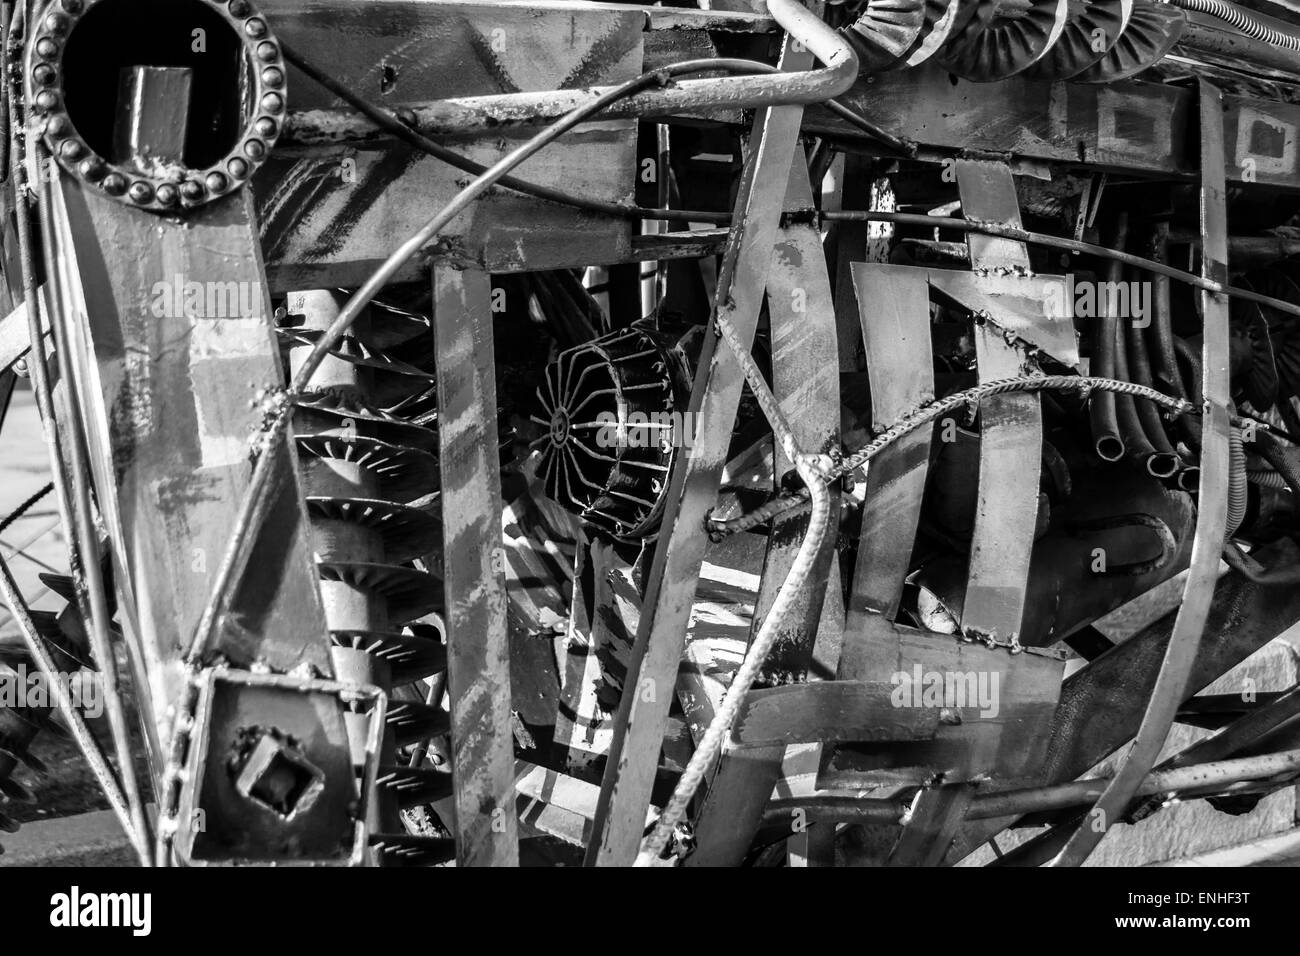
pixel 478 114
pixel 1164 462
pixel 1078 792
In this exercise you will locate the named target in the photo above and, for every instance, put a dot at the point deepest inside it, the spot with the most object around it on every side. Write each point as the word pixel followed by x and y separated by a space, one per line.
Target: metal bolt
pixel 267 51
pixel 140 192
pixel 58 127
pixel 47 48
pixel 43 74
pixel 71 149
pixel 191 190
pixel 57 23
pixel 73 6
pixel 239 8
pixel 272 103
pixel 238 167
pixel 93 168
pixel 114 184
pixel 254 149
pixel 265 126
pixel 216 182
pixel 47 100
pixel 167 194
pixel 255 28
pixel 272 76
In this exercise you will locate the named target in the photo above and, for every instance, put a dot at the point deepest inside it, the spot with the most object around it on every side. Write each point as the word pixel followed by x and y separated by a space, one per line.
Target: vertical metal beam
pixel 178 355
pixel 805 381
pixel 674 575
pixel 1010 428
pixel 894 311
pixel 1006 510
pixel 478 652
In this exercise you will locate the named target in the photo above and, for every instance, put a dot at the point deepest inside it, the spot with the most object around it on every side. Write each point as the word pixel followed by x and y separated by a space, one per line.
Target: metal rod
pixel 478 114
pixel 1058 242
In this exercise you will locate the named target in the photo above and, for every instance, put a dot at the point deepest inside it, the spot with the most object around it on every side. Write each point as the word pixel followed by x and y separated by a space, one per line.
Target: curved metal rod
pixel 1212 509
pixel 478 114
pixel 711 743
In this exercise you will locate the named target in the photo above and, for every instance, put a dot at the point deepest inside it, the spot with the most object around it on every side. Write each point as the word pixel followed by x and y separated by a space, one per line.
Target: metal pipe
pixel 481 114
pixel 1062 796
pixel 1164 461
pixel 1211 778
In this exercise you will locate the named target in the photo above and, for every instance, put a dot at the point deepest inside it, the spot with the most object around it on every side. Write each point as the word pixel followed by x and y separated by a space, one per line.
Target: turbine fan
pixel 1152 32
pixel 885 32
pixel 1092 28
pixel 1017 36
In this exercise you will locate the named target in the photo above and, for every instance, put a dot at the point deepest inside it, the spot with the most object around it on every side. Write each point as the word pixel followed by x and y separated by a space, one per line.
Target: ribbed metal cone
pixel 410 593
pixel 1019 34
pixel 413 786
pixel 944 19
pixel 410 657
pixel 405 849
pixel 330 411
pixel 400 472
pixel 1152 32
pixel 885 32
pixel 407 532
pixel 1092 28
pixel 412 721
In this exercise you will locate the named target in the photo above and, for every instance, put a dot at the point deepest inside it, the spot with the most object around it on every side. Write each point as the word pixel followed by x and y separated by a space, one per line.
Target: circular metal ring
pixel 174 186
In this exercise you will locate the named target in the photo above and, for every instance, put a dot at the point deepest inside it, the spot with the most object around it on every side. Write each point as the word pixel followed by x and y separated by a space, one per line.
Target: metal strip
pixel 478 652
pixel 1211 518
pixel 652 672
pixel 805 381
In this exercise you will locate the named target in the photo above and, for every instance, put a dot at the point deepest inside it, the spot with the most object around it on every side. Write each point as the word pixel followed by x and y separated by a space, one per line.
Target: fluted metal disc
pixel 1020 33
pixel 410 657
pixel 406 532
pixel 1152 32
pixel 885 32
pixel 1092 28
pixel 410 593
pixel 944 19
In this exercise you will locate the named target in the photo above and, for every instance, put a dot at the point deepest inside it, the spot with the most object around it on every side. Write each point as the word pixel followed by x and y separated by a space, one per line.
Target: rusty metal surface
pixel 177 400
pixel 638 732
pixel 805 374
pixel 478 657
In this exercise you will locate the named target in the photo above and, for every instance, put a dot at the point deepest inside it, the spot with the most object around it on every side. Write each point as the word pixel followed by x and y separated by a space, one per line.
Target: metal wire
pixel 25 507
pixel 1057 242
pixel 712 740
pixel 929 413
